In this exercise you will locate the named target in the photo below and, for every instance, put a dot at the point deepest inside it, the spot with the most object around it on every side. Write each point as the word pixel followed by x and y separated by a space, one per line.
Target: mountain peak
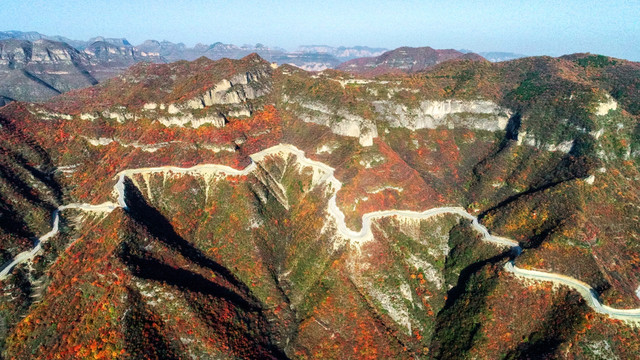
pixel 151 83
pixel 404 60
pixel 254 57
pixel 112 41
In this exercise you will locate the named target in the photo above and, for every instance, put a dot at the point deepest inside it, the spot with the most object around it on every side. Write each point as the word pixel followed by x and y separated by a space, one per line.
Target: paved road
pixel 30 254
pixel 323 173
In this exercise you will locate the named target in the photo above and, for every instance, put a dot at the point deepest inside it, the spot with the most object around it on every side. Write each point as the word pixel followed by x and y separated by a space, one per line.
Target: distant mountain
pixel 342 53
pixel 496 56
pixel 33 36
pixel 308 57
pixel 173 52
pixel 404 60
pixel 112 41
pixel 101 58
pixel 29 35
pixel 166 49
pixel 219 50
pixel 109 57
pixel 308 61
pixel 37 70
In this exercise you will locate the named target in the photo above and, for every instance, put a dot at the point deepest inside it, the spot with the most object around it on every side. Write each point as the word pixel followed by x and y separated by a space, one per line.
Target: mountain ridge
pixel 269 271
pixel 404 60
pixel 40 69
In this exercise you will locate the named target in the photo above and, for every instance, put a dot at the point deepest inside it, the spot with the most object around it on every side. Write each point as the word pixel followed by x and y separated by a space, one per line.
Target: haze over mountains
pixel 34 67
pixel 312 55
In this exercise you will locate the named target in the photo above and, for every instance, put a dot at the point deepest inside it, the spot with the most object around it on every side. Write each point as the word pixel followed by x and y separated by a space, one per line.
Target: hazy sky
pixel 610 27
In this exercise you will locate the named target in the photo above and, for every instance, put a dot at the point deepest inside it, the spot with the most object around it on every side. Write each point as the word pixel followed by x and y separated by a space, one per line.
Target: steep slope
pixel 38 70
pixel 29 192
pixel 539 149
pixel 403 60
pixel 181 94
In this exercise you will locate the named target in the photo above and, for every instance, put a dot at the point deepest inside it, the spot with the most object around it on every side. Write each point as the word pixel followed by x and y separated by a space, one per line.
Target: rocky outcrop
pixel 233 92
pixel 605 106
pixel 178 119
pixel 104 52
pixel 109 58
pixel 20 53
pixel 238 89
pixel 340 122
pixel 431 114
pixel 189 119
pixel 530 140
pixel 36 71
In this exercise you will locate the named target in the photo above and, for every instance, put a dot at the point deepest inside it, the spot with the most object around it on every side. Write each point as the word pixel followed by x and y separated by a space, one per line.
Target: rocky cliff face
pixel 238 89
pixel 109 59
pixel 38 70
pixel 167 50
pixel 341 122
pixel 449 114
pixel 35 71
pixel 471 114
pixel 220 91
pixel 20 53
pixel 231 96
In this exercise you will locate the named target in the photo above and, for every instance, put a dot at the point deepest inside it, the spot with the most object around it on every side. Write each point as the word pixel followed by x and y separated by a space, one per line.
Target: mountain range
pixel 35 76
pixel 41 69
pixel 310 57
pixel 404 60
pixel 238 208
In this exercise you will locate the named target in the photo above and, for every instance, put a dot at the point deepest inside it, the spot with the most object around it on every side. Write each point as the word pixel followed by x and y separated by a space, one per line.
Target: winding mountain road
pixel 323 173
pixel 106 207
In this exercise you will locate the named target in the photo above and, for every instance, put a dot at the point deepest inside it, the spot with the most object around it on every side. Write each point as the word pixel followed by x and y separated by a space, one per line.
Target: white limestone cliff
pixel 340 122
pixel 236 90
pixel 189 119
pixel 431 114
pixel 606 106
